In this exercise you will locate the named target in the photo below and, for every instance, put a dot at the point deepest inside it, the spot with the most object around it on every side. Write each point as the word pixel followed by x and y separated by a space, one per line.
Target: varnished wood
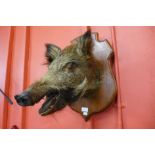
pixel 108 90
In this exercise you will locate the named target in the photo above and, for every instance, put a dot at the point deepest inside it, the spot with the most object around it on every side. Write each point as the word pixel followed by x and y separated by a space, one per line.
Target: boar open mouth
pixel 53 99
pixel 56 100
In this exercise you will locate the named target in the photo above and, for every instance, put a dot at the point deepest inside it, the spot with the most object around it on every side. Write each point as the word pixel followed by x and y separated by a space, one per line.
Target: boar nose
pixel 24 99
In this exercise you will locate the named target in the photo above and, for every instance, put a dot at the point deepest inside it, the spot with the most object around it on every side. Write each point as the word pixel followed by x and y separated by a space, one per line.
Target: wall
pixel 21 58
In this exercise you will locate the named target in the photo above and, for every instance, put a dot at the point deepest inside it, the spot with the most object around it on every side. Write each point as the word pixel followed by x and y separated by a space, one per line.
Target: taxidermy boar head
pixel 72 73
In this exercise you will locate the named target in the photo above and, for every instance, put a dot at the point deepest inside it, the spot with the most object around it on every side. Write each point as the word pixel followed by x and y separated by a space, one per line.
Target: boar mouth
pixel 49 106
pixel 56 100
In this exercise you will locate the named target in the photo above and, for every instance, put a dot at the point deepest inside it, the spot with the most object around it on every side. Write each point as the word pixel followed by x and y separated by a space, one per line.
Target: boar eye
pixel 70 66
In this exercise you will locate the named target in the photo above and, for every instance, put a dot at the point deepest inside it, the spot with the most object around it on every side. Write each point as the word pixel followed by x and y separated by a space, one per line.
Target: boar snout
pixel 24 99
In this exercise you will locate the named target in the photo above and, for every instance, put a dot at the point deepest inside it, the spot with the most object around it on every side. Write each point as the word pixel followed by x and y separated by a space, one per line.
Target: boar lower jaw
pixel 57 100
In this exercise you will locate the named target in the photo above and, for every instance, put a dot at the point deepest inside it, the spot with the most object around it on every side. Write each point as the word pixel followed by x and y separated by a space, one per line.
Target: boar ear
pixel 52 51
pixel 85 44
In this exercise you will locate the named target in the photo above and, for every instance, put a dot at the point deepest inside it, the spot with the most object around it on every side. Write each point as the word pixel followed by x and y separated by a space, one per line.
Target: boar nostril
pixel 23 99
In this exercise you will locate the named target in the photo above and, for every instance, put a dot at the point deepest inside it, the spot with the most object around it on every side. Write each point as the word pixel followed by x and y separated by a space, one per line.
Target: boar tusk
pixel 81 88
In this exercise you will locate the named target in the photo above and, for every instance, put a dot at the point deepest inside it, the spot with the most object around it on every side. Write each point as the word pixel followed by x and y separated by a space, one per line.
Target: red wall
pixel 21 58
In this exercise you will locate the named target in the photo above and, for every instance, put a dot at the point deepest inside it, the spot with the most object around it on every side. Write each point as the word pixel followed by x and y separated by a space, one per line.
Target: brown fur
pixel 72 68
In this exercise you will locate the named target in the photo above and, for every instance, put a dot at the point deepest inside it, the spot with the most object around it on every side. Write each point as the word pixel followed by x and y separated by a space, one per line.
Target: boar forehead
pixel 69 54
pixel 62 78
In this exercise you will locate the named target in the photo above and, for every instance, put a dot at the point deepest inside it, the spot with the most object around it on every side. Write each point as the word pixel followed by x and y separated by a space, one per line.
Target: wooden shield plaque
pixel 108 90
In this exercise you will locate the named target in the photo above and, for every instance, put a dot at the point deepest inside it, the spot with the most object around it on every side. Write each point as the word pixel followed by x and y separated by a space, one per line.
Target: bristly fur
pixel 47 56
pixel 87 34
pixel 72 72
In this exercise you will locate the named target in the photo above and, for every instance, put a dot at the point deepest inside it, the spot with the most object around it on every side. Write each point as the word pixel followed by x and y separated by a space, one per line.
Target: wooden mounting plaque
pixel 108 90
